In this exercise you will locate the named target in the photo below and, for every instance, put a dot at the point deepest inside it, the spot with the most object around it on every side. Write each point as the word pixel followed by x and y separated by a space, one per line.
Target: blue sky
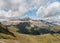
pixel 32 8
pixel 58 0
pixel 32 13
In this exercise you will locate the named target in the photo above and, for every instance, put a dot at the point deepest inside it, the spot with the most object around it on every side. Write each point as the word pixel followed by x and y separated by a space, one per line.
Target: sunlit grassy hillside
pixel 13 34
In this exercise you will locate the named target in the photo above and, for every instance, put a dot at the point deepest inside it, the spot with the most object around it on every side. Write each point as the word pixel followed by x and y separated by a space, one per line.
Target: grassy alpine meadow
pixel 30 37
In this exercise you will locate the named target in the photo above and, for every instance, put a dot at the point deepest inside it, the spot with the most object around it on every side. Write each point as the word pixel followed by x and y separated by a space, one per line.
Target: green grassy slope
pixel 28 38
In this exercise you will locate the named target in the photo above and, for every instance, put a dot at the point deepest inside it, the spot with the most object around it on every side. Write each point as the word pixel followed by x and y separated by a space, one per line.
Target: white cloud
pixel 50 12
pixel 18 7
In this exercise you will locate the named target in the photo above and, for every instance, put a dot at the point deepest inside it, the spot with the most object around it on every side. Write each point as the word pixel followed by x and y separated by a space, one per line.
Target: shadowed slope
pixel 4 29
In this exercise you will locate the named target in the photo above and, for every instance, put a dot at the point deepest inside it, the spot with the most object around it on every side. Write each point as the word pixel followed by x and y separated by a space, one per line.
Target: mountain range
pixel 29 31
